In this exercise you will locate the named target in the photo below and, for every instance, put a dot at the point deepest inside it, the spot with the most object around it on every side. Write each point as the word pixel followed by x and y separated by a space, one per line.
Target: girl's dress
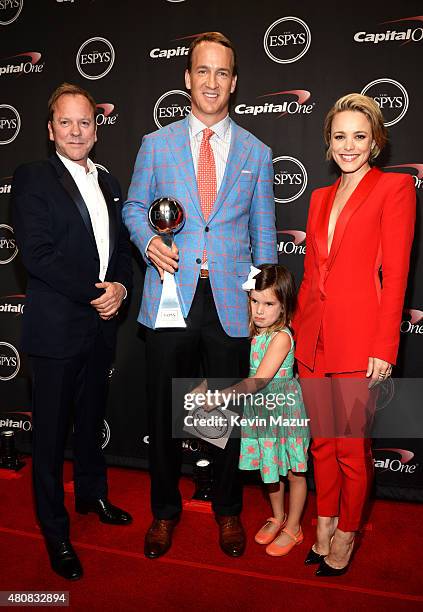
pixel 274 445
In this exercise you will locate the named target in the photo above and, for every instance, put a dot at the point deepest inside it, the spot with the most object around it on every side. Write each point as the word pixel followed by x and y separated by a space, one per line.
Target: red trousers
pixel 340 409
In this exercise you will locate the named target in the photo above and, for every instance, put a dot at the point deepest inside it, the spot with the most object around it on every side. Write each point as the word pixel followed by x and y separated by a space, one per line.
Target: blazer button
pixel 198 260
pixel 207 229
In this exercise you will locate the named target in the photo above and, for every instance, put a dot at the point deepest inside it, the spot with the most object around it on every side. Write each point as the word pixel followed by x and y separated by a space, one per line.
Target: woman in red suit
pixel 359 236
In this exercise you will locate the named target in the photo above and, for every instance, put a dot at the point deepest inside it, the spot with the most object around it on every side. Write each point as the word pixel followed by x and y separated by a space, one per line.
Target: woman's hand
pixel 379 370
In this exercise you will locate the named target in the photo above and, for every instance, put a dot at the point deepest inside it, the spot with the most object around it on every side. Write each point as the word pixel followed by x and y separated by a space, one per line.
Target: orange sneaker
pixel 270 530
pixel 275 550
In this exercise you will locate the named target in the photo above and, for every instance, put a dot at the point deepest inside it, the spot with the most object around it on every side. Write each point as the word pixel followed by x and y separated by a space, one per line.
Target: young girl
pixel 277 448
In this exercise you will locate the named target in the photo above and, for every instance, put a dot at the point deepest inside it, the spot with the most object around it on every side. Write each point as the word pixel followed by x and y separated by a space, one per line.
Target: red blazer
pixel 342 292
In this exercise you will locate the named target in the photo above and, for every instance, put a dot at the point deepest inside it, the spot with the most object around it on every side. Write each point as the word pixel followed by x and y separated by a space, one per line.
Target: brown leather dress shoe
pixel 158 538
pixel 231 536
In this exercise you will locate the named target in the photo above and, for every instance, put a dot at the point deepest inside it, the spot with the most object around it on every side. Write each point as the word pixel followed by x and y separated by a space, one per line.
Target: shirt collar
pixel 221 129
pixel 76 169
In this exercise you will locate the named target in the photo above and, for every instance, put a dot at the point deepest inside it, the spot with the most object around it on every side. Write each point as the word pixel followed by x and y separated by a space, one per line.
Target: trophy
pixel 166 216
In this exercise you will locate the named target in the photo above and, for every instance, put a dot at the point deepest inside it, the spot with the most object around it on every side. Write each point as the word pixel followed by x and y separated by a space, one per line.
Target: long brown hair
pixel 282 282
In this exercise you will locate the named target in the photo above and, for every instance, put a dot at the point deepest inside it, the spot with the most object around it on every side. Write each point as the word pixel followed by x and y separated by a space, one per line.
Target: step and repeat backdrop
pixel 295 60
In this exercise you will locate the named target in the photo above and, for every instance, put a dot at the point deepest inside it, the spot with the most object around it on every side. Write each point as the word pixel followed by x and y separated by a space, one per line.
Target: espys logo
pixel 13 304
pixel 5 185
pixel 106 117
pixel 391 96
pixel 393 463
pixel 416 171
pixel 287 40
pixel 10 124
pixel 292 103
pixel 105 434
pixel 8 248
pixel 101 167
pixel 19 64
pixel 95 58
pixel 171 106
pixel 17 423
pixel 9 361
pixel 10 11
pixel 290 179
pixel 292 243
pixel 404 35
pixel 413 324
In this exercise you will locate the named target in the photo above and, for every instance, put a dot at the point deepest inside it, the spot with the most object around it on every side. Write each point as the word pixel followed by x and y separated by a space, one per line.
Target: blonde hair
pixel 369 108
pixel 68 89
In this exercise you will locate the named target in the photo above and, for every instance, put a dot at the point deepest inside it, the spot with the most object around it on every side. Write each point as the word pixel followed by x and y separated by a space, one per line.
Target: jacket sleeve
pixel 262 224
pixel 397 231
pixel 309 260
pixel 32 220
pixel 140 195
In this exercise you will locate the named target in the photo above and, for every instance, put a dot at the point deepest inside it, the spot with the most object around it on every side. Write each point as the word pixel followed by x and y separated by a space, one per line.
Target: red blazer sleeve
pixel 397 231
pixel 309 263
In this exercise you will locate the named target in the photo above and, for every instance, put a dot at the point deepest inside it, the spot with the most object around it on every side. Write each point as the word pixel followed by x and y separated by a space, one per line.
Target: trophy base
pixel 169 313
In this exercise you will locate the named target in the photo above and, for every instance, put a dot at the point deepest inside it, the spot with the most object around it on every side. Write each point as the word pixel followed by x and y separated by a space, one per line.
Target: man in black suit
pixel 67 219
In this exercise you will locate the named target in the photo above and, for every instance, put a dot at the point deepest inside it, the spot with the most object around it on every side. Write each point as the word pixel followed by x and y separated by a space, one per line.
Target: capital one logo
pixel 105 116
pixel 171 106
pixel 10 124
pixel 287 40
pixel 95 58
pixel 398 461
pixel 105 434
pixel 291 242
pixel 8 248
pixel 13 304
pixel 391 96
pixel 416 171
pixel 400 33
pixel 413 323
pixel 290 179
pixel 10 11
pixel 23 421
pixel 5 185
pixel 283 103
pixel 9 361
pixel 22 63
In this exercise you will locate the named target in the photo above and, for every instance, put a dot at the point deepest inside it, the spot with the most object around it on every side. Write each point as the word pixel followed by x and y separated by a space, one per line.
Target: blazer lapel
pixel 111 208
pixel 357 198
pixel 238 152
pixel 323 222
pixel 73 191
pixel 179 147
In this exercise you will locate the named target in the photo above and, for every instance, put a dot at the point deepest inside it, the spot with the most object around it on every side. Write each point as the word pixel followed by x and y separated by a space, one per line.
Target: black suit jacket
pixel 56 241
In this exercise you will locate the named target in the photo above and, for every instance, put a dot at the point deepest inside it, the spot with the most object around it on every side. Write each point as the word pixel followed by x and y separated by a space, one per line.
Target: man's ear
pixel 50 131
pixel 187 79
pixel 233 83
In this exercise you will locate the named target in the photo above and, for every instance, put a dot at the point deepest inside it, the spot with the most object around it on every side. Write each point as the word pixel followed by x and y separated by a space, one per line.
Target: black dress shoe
pixel 107 513
pixel 64 560
pixel 158 538
pixel 313 558
pixel 326 570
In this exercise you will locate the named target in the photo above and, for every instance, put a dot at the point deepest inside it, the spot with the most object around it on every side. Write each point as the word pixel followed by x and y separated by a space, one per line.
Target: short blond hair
pixel 362 104
pixel 68 89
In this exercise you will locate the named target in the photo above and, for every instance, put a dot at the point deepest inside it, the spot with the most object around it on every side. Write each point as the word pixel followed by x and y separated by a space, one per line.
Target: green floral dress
pixel 270 439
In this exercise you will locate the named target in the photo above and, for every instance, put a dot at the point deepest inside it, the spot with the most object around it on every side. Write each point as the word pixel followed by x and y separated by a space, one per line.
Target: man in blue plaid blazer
pixel 239 231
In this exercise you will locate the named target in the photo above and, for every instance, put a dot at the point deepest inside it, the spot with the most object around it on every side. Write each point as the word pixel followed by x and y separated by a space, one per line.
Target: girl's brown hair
pixel 282 282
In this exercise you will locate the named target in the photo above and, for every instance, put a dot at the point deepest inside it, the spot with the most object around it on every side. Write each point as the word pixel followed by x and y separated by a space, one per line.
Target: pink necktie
pixel 206 177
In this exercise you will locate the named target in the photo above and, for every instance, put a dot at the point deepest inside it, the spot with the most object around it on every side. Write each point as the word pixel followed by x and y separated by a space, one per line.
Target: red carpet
pixel 195 574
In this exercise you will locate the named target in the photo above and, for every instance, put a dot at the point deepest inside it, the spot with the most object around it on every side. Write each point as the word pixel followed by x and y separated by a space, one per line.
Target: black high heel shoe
pixel 313 558
pixel 326 570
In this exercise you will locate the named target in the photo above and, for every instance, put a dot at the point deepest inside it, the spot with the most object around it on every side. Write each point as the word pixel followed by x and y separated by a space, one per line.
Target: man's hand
pixel 162 256
pixel 108 304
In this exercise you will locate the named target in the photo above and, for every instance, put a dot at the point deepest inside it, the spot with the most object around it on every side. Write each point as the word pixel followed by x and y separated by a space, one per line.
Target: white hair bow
pixel 250 283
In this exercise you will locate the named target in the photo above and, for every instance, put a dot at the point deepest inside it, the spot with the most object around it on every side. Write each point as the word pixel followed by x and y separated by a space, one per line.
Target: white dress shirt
pixel 220 143
pixel 87 183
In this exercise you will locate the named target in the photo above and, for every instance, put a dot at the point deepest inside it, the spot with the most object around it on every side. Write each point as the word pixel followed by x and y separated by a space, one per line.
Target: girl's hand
pixel 379 370
pixel 201 388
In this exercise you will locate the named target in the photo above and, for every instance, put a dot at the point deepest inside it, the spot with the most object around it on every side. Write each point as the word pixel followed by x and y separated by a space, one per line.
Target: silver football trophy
pixel 166 216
